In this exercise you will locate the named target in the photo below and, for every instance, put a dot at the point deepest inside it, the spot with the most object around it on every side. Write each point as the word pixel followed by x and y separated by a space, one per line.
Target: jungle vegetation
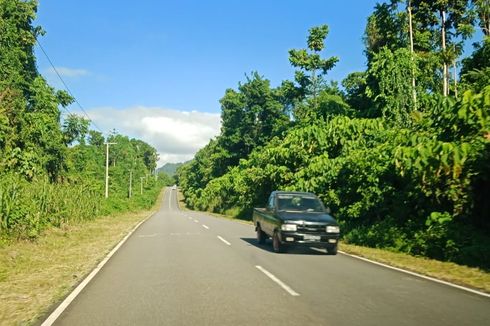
pixel 400 152
pixel 52 166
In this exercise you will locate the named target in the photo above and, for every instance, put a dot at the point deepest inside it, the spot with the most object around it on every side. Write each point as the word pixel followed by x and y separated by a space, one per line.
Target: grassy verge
pixel 446 271
pixel 462 275
pixel 34 275
pixel 183 206
pixel 181 201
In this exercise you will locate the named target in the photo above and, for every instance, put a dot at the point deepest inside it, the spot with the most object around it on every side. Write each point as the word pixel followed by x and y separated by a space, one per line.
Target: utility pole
pixel 107 169
pixel 131 176
pixel 130 183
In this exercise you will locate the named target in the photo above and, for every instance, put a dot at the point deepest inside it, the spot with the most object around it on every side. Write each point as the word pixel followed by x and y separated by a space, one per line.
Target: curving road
pixel 190 268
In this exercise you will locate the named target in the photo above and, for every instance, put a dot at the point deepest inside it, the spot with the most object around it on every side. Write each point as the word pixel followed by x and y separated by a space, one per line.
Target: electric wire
pixel 67 88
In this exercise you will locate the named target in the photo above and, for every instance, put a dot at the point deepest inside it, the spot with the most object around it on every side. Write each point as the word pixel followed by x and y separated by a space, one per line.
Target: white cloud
pixel 67 72
pixel 177 135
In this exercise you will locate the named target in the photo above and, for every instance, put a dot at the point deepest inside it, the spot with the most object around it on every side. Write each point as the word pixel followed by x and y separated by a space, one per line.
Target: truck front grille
pixel 313 229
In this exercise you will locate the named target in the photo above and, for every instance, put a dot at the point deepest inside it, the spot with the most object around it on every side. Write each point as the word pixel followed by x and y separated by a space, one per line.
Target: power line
pixel 67 88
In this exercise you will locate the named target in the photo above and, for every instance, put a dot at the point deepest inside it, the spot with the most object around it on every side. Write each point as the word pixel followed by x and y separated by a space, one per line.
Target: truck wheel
pixel 332 250
pixel 261 236
pixel 276 243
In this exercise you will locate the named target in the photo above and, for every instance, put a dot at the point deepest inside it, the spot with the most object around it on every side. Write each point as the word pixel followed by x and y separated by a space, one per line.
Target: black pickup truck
pixel 296 218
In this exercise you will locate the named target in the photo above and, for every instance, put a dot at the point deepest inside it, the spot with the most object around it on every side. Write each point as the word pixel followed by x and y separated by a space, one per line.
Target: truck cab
pixel 294 219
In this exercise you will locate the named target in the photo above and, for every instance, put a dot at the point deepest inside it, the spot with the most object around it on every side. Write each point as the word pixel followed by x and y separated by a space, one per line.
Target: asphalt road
pixel 189 268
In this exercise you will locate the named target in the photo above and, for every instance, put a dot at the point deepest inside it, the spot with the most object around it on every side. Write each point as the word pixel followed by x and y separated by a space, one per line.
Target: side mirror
pixel 328 210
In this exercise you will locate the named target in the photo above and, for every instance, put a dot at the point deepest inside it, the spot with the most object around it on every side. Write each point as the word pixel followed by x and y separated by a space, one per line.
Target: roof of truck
pixel 293 193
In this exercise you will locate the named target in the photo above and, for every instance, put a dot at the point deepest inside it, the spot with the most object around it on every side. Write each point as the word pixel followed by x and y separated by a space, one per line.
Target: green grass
pixel 35 275
pixel 230 215
pixel 462 275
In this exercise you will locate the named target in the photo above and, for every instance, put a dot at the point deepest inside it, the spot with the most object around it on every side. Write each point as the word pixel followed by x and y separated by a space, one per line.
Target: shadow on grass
pixel 292 250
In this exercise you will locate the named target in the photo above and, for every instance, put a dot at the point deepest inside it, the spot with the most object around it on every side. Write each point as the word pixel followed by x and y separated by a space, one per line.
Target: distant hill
pixel 169 168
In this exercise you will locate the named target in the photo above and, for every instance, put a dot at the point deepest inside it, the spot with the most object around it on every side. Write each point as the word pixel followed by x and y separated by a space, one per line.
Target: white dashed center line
pixel 278 281
pixel 226 242
pixel 205 226
pixel 148 235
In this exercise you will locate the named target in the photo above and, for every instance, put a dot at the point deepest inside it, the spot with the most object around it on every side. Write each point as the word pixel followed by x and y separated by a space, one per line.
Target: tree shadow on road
pixel 296 250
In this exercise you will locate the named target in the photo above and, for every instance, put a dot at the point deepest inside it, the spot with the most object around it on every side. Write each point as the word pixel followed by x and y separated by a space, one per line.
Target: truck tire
pixel 332 250
pixel 276 243
pixel 261 236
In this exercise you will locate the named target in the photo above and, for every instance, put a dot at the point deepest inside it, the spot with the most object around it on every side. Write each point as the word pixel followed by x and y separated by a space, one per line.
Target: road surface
pixel 190 268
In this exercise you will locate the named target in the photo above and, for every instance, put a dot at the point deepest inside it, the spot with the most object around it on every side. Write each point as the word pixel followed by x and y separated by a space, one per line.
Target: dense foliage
pixel 401 154
pixel 52 167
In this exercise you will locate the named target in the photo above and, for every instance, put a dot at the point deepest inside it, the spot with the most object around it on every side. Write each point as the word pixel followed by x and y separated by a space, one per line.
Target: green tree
pixel 409 180
pixel 31 140
pixel 355 85
pixel 75 128
pixel 17 62
pixel 482 8
pixel 475 71
pixel 391 87
pixel 312 67
pixel 448 23
pixel 385 28
pixel 250 118
pixel 95 138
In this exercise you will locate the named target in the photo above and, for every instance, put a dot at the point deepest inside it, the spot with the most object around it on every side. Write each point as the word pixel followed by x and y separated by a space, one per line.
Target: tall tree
pixel 310 62
pixel 482 8
pixel 452 21
pixel 412 52
pixel 355 85
pixel 390 74
pixel 95 138
pixel 18 37
pixel 385 28
pixel 75 128
pixel 250 117
pixel 475 70
pixel 31 139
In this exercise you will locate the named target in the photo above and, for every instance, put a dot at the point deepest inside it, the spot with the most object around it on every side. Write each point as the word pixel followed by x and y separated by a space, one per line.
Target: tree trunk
pixel 455 80
pixel 410 28
pixel 483 10
pixel 444 67
pixel 314 84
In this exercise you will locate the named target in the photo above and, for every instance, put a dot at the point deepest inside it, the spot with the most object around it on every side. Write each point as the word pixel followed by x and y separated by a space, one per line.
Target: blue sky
pixel 184 54
pixel 156 69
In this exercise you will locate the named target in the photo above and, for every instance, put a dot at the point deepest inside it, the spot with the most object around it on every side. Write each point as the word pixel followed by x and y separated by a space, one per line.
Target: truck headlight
pixel 289 227
pixel 333 229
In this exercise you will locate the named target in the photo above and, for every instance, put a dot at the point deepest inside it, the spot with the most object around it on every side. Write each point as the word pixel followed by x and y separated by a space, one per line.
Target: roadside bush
pixel 28 208
pixel 418 189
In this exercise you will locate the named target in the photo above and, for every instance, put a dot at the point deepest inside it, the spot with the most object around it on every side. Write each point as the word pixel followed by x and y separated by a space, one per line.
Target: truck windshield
pixel 298 203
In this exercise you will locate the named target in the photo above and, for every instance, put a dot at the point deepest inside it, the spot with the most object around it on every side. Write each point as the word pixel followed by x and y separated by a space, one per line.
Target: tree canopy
pixel 400 153
pixel 52 166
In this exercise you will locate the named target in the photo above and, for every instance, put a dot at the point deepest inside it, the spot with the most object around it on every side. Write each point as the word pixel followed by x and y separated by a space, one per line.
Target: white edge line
pixel 418 275
pixel 59 310
pixel 229 244
pixel 205 226
pixel 278 281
